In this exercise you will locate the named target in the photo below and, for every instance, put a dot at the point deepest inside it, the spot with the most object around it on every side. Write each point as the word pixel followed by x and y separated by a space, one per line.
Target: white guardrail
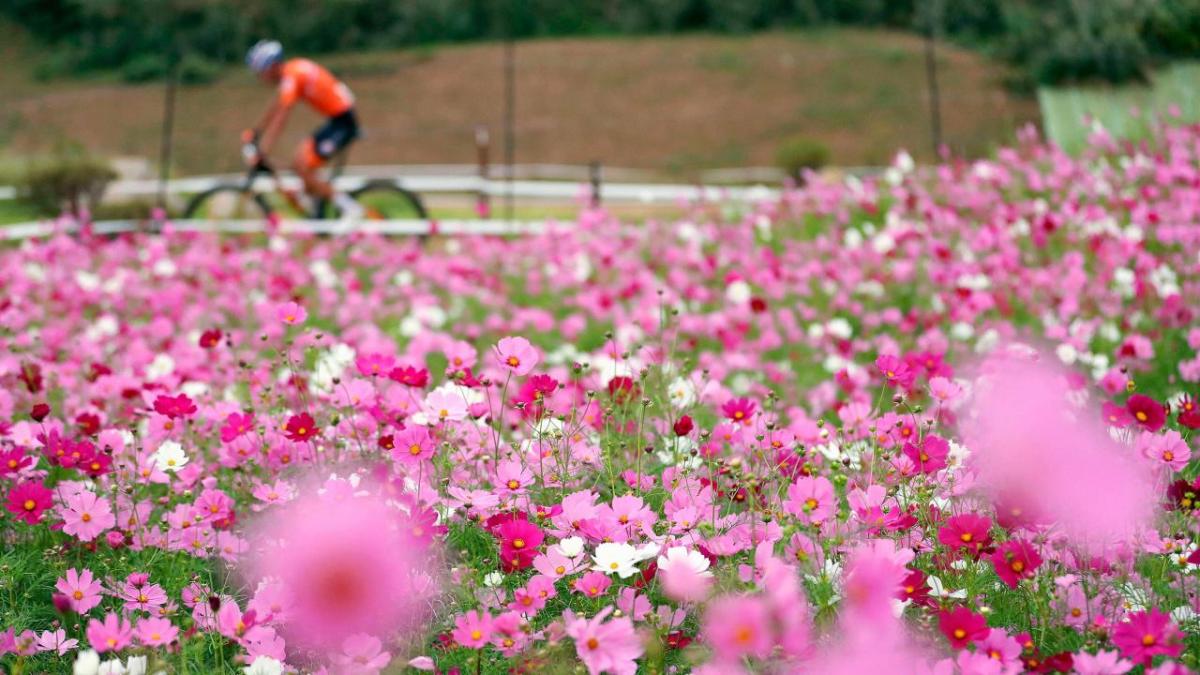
pixel 629 192
pixel 334 227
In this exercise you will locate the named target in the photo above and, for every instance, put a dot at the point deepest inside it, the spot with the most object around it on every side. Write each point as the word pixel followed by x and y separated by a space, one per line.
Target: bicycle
pixel 380 198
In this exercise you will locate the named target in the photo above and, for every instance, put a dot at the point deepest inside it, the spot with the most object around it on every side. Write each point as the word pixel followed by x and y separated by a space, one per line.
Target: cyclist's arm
pixel 272 125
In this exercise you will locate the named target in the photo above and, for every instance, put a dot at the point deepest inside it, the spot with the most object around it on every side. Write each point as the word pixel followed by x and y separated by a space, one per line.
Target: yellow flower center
pixel 30 505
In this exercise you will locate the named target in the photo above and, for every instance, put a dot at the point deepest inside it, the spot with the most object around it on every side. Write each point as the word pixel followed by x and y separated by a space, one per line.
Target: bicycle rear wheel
pixel 227 202
pixel 386 200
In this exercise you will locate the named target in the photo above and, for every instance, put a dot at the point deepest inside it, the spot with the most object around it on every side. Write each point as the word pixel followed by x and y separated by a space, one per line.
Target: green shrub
pixel 197 70
pixel 144 68
pixel 799 153
pixel 68 182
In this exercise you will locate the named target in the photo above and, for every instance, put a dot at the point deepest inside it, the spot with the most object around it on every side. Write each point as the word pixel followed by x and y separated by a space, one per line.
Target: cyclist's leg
pixel 307 164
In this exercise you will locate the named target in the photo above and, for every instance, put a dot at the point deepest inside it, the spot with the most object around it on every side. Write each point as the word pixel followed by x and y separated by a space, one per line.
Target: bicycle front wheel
pixel 386 200
pixel 227 202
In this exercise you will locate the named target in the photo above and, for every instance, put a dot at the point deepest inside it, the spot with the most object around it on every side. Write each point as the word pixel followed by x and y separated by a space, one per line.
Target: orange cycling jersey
pixel 304 79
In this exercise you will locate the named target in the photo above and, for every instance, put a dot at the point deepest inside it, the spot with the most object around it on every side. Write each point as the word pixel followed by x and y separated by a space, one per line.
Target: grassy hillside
pixel 669 103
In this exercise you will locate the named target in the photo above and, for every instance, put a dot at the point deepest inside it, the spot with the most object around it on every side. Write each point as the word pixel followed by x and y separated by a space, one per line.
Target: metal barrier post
pixel 483 206
pixel 595 175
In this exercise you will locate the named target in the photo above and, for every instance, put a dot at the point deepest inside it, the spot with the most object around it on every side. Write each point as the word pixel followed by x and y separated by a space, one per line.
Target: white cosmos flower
pixel 619 559
pixel 264 665
pixel 683 558
pixel 170 457
pixel 938 590
pixel 682 393
pixel 738 292
pixel 87 663
pixel 571 546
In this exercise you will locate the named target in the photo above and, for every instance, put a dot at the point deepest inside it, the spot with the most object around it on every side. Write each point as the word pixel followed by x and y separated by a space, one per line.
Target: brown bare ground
pixel 670 103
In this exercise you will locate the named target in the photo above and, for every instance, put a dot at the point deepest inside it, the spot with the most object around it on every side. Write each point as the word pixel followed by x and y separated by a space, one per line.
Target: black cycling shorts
pixel 337 133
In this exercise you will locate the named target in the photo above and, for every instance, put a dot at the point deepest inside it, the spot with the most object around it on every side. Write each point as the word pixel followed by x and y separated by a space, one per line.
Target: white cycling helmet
pixel 264 54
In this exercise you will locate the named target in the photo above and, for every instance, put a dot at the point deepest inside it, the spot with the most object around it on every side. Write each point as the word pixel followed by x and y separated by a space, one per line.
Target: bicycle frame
pixel 264 167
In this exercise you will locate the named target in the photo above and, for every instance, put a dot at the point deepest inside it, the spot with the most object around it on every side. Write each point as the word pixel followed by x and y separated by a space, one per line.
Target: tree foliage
pixel 1050 40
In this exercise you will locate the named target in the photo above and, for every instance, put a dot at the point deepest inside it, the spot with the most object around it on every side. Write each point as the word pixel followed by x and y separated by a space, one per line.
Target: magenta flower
pixel 1144 635
pixel 1147 412
pixel 27 501
pixel 969 531
pixel 473 629
pixel 519 543
pixel 605 647
pixel 930 455
pixel 235 425
pixel 81 590
pixel 87 516
pixel 811 499
pixel 174 406
pixel 738 410
pixel 1015 560
pixel 516 355
pixel 301 427
pixel 961 626
pixel 111 635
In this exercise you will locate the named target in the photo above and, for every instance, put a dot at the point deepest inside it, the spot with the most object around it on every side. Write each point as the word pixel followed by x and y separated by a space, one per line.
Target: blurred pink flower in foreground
pixel 1037 450
pixel 346 562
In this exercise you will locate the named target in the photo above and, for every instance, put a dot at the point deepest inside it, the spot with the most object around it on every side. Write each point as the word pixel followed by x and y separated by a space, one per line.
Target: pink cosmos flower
pixel 111 635
pixel 444 406
pixel 605 647
pixel 140 595
pixel 345 560
pixel 290 313
pixel 55 641
pixel 1021 408
pixel 362 655
pixel 1144 635
pixel 86 516
pixel 413 445
pixel 473 629
pixel 156 632
pixel 374 365
pixel 81 590
pixel 592 584
pixel 27 501
pixel 1168 449
pixel 811 499
pixel 1101 663
pixel 736 626
pixel 1015 560
pixel 516 355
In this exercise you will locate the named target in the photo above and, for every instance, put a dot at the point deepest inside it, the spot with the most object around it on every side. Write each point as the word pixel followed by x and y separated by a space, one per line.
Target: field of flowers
pixel 938 421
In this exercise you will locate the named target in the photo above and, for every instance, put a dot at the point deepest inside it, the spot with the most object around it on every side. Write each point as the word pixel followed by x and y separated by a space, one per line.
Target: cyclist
pixel 301 79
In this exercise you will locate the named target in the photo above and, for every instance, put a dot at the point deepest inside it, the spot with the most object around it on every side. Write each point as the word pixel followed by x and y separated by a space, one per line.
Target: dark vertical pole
pixel 483 142
pixel 933 19
pixel 168 127
pixel 596 176
pixel 510 113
